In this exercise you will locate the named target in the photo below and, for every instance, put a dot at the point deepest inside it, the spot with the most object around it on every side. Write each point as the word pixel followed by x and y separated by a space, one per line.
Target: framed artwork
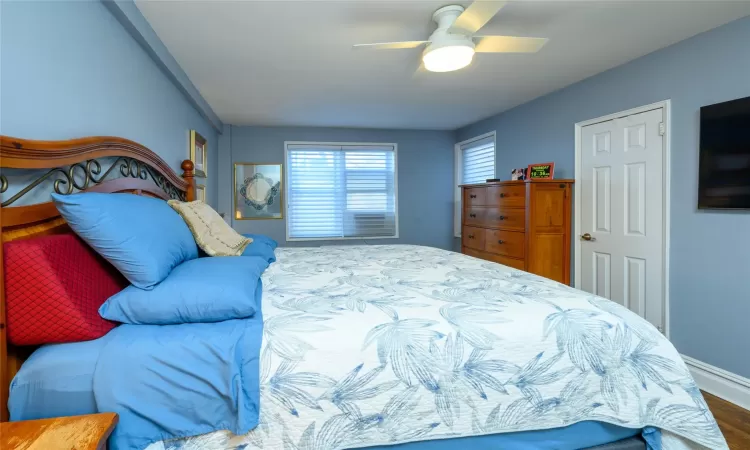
pixel 200 192
pixel 198 153
pixel 258 192
pixel 543 171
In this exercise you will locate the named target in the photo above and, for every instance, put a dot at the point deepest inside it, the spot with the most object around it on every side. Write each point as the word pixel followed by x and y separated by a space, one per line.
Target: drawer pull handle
pixel 501 218
pixel 472 215
pixel 502 195
pixel 471 236
pixel 500 241
pixel 472 196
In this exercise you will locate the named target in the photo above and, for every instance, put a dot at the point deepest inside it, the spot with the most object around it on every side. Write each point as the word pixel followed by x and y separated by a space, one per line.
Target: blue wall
pixel 131 18
pixel 425 177
pixel 710 250
pixel 69 69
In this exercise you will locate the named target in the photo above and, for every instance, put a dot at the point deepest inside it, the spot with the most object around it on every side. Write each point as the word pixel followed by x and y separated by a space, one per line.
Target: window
pixel 475 163
pixel 341 191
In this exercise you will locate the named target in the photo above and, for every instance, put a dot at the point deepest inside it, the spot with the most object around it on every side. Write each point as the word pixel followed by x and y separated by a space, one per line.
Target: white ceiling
pixel 291 62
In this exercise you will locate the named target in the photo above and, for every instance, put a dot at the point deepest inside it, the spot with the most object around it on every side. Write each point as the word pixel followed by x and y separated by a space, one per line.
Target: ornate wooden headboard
pixel 92 164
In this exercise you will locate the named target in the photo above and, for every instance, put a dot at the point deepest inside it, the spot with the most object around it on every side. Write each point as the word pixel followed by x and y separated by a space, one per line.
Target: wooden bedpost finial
pixel 188 175
pixel 187 168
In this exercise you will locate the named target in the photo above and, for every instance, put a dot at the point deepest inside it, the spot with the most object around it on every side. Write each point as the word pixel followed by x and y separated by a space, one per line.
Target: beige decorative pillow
pixel 213 235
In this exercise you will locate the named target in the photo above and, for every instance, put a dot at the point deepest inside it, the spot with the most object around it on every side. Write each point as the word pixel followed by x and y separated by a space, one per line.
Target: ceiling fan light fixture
pixel 447 58
pixel 452 45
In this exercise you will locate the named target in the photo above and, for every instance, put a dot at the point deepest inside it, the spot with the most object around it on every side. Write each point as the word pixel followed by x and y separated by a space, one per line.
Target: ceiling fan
pixel 453 44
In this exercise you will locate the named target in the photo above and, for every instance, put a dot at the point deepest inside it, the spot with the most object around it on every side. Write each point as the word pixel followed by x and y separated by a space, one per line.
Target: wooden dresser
pixel 521 224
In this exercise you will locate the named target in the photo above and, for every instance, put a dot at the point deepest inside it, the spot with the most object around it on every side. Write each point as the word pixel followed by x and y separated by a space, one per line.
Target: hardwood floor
pixel 733 421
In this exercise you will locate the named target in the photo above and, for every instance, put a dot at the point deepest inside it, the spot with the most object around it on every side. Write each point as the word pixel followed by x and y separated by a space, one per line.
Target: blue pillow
pixel 262 238
pixel 262 246
pixel 201 290
pixel 141 236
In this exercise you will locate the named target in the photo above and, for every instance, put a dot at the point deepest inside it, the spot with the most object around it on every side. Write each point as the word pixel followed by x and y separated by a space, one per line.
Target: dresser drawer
pixel 515 263
pixel 510 218
pixel 509 243
pixel 507 195
pixel 500 259
pixel 475 196
pixel 475 216
pixel 473 237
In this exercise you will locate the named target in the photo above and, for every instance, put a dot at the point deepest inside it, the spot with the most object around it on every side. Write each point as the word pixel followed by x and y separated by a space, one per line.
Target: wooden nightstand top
pixel 63 433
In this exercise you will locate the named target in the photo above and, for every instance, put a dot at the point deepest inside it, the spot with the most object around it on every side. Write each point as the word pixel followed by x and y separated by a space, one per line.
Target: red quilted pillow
pixel 54 286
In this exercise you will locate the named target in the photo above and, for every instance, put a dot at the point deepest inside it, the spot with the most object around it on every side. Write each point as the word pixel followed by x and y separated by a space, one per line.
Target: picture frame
pixel 198 150
pixel 200 192
pixel 541 171
pixel 518 174
pixel 258 191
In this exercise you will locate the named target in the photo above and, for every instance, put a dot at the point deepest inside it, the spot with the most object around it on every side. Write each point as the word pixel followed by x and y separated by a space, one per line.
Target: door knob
pixel 587 237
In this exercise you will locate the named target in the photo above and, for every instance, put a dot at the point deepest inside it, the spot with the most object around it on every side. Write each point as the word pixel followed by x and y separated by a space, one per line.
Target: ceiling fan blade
pixel 390 45
pixel 508 44
pixel 476 16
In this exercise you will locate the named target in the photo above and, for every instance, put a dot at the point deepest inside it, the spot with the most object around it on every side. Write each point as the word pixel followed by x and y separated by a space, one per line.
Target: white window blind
pixel 475 163
pixel 341 191
pixel 478 160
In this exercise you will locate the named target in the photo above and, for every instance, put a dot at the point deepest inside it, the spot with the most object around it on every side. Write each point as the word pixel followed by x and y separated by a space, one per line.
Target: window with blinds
pixel 341 191
pixel 478 160
pixel 475 163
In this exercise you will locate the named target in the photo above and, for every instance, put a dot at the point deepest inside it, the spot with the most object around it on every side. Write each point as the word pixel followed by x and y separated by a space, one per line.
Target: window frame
pixel 287 196
pixel 458 172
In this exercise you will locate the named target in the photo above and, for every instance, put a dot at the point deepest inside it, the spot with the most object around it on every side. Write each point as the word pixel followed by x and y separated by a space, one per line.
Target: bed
pixel 402 347
pixel 92 164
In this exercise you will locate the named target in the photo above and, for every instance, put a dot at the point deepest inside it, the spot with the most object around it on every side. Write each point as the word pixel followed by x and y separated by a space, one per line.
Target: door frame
pixel 666 105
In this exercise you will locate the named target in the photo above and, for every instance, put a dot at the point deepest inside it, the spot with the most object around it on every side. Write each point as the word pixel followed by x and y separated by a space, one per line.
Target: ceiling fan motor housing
pixel 445 17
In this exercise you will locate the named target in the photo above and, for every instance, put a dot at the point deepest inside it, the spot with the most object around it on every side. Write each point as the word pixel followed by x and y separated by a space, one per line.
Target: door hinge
pixel 662 129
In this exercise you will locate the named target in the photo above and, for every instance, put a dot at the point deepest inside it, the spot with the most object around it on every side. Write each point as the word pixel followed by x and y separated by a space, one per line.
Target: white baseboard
pixel 731 387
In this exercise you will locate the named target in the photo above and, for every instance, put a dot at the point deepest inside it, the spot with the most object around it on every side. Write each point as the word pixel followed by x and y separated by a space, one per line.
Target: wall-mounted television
pixel 724 174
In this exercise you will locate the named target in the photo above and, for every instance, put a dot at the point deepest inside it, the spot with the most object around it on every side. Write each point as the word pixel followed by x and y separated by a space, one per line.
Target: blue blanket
pixel 175 381
pixel 180 380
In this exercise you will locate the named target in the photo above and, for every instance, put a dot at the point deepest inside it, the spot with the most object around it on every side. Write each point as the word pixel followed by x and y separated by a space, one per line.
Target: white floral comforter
pixel 373 345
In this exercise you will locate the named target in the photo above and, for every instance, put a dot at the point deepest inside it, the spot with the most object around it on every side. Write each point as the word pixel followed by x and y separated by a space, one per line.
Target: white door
pixel 622 234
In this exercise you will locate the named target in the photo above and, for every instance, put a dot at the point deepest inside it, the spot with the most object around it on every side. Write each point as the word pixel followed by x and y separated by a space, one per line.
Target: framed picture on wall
pixel 258 192
pixel 200 192
pixel 198 148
